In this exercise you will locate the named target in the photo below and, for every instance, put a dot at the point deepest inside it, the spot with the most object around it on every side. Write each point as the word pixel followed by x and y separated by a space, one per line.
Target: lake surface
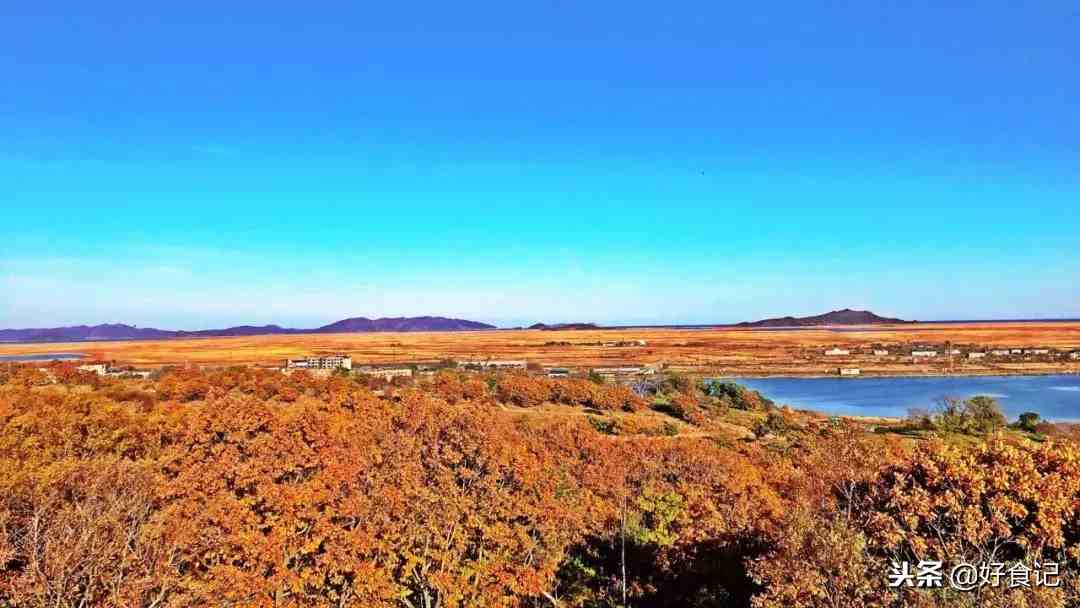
pixel 42 357
pixel 1053 397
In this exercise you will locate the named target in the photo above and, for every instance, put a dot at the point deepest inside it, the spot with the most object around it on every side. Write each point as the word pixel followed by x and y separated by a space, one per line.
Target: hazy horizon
pixel 202 166
pixel 526 324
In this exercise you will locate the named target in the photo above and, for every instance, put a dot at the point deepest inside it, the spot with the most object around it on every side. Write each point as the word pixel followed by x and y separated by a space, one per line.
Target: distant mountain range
pixel 119 331
pixel 836 317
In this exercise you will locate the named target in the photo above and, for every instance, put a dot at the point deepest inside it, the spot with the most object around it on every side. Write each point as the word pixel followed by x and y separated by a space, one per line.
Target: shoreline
pixel 989 374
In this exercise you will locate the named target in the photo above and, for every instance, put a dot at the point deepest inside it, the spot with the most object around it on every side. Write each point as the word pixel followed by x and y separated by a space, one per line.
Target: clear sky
pixel 513 162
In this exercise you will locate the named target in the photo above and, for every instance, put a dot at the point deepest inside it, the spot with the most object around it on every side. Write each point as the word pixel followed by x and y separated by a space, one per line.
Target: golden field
pixel 722 350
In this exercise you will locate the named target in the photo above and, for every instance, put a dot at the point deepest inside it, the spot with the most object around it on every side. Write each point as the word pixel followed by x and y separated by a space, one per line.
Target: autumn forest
pixel 247 487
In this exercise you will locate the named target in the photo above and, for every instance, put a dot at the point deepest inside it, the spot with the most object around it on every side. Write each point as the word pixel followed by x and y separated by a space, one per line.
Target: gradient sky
pixel 513 162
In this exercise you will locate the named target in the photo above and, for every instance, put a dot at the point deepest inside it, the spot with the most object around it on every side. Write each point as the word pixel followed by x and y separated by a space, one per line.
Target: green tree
pixel 1028 421
pixel 985 413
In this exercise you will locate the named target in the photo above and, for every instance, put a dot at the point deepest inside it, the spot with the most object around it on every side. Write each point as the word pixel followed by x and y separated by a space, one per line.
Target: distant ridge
pixel 362 324
pixel 120 331
pixel 560 326
pixel 846 316
pixel 108 331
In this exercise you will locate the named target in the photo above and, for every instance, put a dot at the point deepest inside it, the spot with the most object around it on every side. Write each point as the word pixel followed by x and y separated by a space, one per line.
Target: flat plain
pixel 727 351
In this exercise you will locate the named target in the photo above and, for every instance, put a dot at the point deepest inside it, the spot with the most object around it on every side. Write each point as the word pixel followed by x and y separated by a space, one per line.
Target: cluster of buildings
pixel 929 352
pixel 1016 352
pixel 623 343
pixel 326 364
pixel 106 369
pixel 925 352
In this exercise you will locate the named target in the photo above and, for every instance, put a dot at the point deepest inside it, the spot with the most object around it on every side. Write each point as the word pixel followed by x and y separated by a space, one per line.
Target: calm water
pixel 44 357
pixel 1053 397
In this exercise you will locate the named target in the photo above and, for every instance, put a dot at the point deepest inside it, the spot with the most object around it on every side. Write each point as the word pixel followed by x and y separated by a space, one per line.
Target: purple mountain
pixel 402 324
pixel 836 317
pixel 119 331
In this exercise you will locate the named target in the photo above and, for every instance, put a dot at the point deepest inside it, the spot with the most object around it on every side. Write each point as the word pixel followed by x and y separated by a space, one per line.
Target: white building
pixel 495 364
pixel 616 372
pixel 924 353
pixel 849 371
pixel 320 362
pixel 98 368
pixel 131 373
pixel 388 373
pixel 881 352
pixel 837 352
pixel 1000 353
pixel 976 355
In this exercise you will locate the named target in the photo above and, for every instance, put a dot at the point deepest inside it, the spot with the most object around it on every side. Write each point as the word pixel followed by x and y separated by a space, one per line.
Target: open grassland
pixel 725 350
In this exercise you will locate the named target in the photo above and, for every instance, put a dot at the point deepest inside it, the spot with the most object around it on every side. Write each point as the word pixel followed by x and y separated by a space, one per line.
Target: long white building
pixel 494 364
pixel 320 362
pixel 388 372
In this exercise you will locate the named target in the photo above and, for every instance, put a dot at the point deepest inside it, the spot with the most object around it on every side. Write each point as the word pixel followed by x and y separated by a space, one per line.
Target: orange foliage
pixel 617 397
pixel 684 405
pixel 522 390
pixel 1001 501
pixel 253 488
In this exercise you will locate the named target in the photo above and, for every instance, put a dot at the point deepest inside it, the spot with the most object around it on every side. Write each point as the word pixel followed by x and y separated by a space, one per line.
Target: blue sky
pixel 678 162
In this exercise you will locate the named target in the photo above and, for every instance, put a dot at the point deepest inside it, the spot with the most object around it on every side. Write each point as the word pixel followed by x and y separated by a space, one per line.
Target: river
pixel 42 357
pixel 1053 397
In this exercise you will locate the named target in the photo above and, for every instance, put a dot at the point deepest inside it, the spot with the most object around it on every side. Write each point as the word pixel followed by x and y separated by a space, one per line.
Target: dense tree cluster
pixel 243 487
pixel 729 394
pixel 978 415
pixel 529 391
